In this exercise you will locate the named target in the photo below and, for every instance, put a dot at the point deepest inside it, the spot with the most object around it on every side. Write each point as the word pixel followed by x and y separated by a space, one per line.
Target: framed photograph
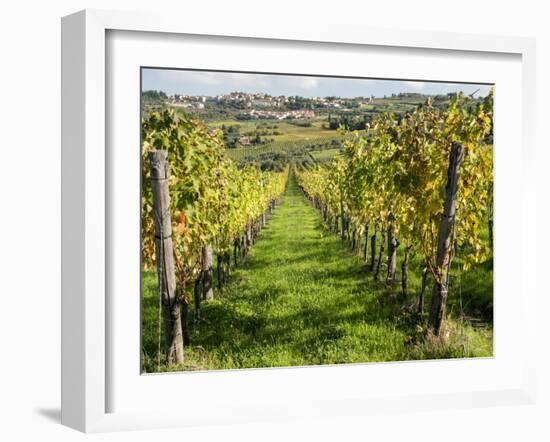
pixel 277 223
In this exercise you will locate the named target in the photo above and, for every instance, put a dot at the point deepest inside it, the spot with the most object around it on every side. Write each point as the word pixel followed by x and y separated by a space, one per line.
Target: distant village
pixel 262 106
pixel 256 106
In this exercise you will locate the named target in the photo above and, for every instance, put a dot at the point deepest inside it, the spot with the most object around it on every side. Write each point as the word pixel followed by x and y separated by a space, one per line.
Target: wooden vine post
pixel 392 248
pixel 164 249
pixel 207 258
pixel 343 217
pixel 445 240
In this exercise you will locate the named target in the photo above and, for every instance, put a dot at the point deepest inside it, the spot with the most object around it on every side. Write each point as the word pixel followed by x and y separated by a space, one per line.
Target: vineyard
pixel 405 185
pixel 289 146
pixel 211 206
pixel 378 250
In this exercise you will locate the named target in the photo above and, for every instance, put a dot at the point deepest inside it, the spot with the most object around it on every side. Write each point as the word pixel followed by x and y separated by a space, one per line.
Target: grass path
pixel 299 298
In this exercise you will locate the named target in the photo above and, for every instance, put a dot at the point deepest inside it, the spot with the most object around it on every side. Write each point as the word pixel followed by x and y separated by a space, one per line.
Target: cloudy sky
pixel 216 83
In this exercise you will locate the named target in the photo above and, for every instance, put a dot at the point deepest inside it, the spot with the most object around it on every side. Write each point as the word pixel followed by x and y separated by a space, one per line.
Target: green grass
pixel 302 298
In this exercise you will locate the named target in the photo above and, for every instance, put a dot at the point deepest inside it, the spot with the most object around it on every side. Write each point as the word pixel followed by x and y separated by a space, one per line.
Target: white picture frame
pixel 87 209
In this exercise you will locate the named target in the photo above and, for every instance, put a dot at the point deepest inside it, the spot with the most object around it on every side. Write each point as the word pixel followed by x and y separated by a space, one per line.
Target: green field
pixel 324 155
pixel 284 146
pixel 288 131
pixel 291 137
pixel 302 298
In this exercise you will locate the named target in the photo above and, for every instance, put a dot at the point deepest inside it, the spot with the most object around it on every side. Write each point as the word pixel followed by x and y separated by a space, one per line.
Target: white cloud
pixel 308 83
pixel 244 80
pixel 416 85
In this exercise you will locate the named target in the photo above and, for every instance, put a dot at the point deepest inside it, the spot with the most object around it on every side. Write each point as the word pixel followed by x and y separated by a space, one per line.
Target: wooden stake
pixel 164 248
pixel 444 240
